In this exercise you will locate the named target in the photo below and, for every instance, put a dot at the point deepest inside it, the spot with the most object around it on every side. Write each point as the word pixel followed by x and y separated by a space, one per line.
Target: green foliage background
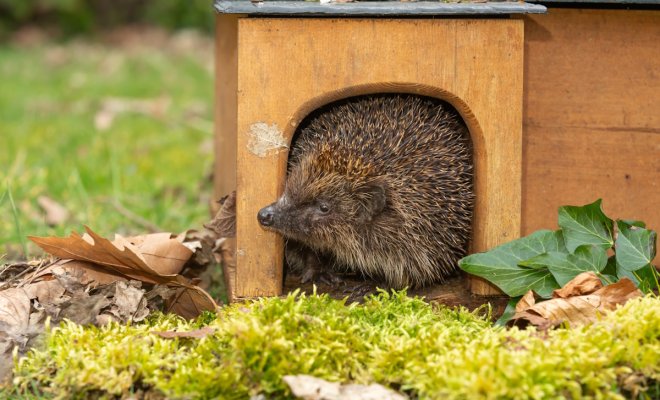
pixel 156 165
pixel 71 17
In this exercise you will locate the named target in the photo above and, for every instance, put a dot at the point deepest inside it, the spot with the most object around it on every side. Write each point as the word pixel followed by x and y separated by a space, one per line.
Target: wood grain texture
pixel 592 114
pixel 287 65
pixel 226 87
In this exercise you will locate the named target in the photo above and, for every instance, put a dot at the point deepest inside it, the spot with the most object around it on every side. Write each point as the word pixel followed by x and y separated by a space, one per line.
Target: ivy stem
pixel 604 277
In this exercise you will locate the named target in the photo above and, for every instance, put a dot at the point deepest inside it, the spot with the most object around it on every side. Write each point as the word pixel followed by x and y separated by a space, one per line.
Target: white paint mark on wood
pixel 265 139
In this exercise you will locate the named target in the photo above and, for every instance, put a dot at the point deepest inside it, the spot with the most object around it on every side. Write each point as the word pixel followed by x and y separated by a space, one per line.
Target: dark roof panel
pixel 604 2
pixel 375 8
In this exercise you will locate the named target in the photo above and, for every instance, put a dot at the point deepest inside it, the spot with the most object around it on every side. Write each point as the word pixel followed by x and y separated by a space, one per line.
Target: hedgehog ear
pixel 373 200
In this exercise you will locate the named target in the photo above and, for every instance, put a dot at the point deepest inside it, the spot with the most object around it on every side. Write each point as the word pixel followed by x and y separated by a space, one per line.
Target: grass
pixel 150 164
pixel 392 339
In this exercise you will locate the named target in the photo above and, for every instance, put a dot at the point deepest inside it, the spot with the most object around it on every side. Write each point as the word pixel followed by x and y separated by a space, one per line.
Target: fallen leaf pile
pixel 583 300
pixel 95 280
pixel 25 310
pixel 154 259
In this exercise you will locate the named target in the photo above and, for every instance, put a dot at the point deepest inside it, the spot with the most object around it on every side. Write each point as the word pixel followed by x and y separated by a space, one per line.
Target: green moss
pixel 391 339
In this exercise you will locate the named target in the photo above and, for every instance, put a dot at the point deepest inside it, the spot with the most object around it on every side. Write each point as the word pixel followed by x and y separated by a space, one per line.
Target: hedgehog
pixel 379 185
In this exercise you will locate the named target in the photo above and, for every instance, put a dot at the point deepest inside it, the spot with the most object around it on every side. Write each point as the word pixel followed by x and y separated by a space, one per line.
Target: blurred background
pixel 106 118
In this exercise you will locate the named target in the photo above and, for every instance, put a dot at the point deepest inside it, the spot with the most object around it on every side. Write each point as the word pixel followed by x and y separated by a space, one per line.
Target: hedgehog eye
pixel 324 208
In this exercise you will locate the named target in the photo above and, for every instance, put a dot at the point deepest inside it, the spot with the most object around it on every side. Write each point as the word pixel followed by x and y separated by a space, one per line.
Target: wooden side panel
pixel 284 64
pixel 226 82
pixel 486 76
pixel 592 114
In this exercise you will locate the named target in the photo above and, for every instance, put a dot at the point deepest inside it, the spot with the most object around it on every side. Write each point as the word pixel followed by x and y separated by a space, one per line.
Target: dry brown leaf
pixel 577 310
pixel 72 285
pixel 98 250
pixel 210 252
pixel 160 291
pixel 86 273
pixel 84 309
pixel 105 319
pixel 526 301
pixel 635 383
pixel 153 259
pixel 129 301
pixel 6 364
pixel 122 257
pixel 165 254
pixel 18 326
pixel 47 291
pixel 189 301
pixel 204 256
pixel 584 283
pixel 14 310
pixel 311 388
pixel 224 222
pixel 195 334
pixel 120 301
pixel 56 214
pixel 617 293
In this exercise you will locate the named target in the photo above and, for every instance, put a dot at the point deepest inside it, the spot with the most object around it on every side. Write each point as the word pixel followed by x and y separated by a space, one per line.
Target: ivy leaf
pixel 500 265
pixel 586 225
pixel 608 275
pixel 564 266
pixel 635 246
pixel 644 278
pixel 608 279
pixel 509 311
pixel 633 222
pixel 610 268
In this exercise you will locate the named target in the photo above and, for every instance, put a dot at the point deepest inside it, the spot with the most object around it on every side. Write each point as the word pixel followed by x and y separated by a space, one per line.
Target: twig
pixel 17 222
pixel 42 265
pixel 150 226
pixel 27 269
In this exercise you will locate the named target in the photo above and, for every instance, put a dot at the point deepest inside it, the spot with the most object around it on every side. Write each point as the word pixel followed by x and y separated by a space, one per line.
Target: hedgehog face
pixel 321 209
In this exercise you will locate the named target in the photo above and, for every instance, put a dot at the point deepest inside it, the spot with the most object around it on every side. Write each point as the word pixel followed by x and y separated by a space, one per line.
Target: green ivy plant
pixel 547 260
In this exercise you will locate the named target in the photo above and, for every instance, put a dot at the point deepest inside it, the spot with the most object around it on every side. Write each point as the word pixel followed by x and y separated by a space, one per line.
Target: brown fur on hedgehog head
pixel 325 204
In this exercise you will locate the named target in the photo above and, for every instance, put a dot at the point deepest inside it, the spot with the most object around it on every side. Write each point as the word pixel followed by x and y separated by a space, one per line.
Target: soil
pixel 453 293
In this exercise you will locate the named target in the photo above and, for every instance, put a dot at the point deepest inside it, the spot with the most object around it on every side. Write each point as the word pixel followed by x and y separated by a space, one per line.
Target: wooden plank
pixel 621 167
pixel 498 158
pixel 592 120
pixel 287 65
pixel 226 86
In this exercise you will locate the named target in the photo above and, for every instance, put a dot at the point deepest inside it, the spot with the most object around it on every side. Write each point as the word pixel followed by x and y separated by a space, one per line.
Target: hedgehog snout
pixel 266 215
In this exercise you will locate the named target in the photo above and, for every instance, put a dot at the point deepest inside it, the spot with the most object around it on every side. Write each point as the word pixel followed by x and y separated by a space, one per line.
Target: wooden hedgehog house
pixel 562 101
